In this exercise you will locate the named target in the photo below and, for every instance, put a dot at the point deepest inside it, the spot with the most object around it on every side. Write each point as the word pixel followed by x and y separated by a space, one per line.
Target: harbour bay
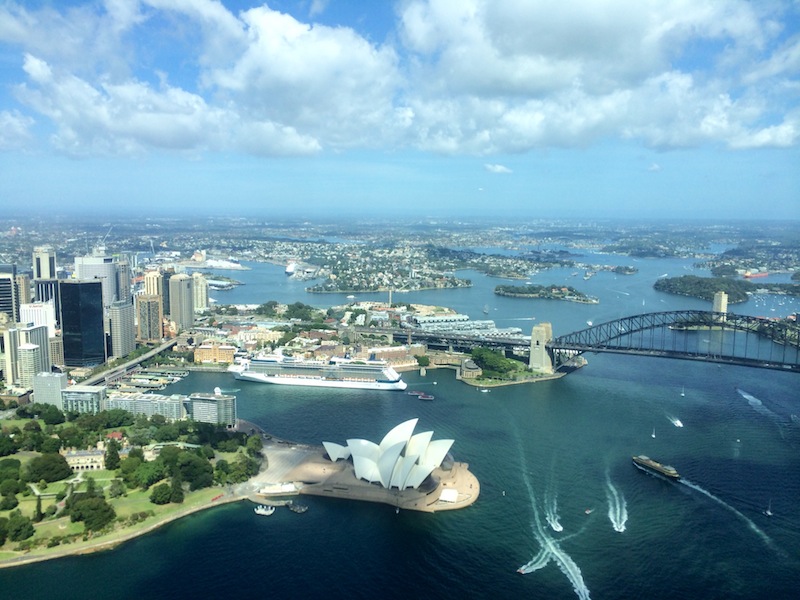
pixel 552 449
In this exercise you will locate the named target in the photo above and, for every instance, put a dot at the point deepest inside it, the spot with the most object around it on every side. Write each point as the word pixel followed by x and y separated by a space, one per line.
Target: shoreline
pixel 91 547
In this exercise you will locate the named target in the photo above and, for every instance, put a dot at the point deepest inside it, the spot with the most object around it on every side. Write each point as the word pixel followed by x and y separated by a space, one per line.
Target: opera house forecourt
pixel 405 470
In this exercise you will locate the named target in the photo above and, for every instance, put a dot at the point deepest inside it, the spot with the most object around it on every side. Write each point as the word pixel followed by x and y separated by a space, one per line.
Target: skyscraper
pixel 99 266
pixel 30 363
pixel 82 322
pixel 47 289
pixel 123 328
pixel 200 292
pixel 44 262
pixel 9 299
pixel 47 388
pixel 124 280
pixel 181 301
pixel 39 313
pixel 149 318
pixel 23 288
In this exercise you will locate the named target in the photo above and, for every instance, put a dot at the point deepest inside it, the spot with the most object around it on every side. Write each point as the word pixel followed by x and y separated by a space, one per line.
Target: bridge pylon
pixel 540 360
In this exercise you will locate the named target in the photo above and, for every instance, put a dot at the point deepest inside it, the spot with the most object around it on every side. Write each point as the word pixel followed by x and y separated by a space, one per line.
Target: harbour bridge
pixel 714 337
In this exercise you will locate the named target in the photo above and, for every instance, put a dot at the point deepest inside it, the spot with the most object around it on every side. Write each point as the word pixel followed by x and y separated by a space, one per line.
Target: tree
pixel 37 515
pixel 254 445
pixel 195 470
pixel 95 513
pixel 50 467
pixel 176 489
pixel 3 530
pixel 19 527
pixel 161 494
pixel 112 455
pixel 116 489
pixel 8 502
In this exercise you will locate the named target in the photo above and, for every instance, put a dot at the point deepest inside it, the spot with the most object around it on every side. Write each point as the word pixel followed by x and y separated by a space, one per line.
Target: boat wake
pixel 767 540
pixel 550 549
pixel 757 405
pixel 617 507
pixel 551 512
pixel 675 421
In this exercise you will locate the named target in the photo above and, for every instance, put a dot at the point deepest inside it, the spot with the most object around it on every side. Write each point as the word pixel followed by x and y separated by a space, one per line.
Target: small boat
pixel 425 396
pixel 683 392
pixel 484 391
pixel 297 508
pixel 588 511
pixel 768 512
pixel 652 435
pixel 486 309
pixel 264 510
pixel 415 393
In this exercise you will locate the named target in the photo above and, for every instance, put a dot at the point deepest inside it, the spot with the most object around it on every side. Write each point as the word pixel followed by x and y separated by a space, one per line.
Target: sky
pixel 442 108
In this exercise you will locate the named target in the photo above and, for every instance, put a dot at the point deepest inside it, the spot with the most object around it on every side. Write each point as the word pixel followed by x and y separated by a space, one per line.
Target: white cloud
pixel 495 168
pixel 654 168
pixel 461 77
pixel 14 130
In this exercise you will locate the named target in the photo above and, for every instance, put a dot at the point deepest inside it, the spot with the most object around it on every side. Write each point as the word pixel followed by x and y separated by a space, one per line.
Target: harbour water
pixel 545 454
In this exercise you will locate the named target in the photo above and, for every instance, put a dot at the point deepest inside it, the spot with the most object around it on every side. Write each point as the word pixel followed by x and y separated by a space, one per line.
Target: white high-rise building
pixel 181 301
pixel 39 313
pixel 44 262
pixel 200 292
pixel 123 328
pixel 30 363
pixel 102 267
pixel 47 388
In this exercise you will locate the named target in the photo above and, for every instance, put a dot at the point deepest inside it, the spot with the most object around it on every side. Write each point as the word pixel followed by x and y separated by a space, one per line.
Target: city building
pixel 123 328
pixel 181 301
pixel 26 350
pixel 214 352
pixel 23 288
pixel 9 299
pixel 47 388
pixel 46 290
pixel 83 399
pixel 44 263
pixel 216 408
pixel 93 459
pixel 30 363
pixel 124 291
pixel 99 266
pixel 153 283
pixel 200 292
pixel 149 318
pixel 39 313
pixel 170 407
pixel 82 323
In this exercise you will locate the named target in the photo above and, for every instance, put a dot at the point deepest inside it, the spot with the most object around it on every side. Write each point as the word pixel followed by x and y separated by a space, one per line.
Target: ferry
pixel 336 373
pixel 648 465
pixel 264 510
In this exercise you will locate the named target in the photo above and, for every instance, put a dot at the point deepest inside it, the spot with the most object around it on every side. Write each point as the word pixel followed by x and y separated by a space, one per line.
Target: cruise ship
pixel 336 373
pixel 648 465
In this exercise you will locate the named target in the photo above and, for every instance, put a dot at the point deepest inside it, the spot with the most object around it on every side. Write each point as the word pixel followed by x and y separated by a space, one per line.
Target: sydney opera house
pixel 406 470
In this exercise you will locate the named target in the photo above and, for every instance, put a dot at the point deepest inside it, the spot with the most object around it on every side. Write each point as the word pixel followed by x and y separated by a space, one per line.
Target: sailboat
pixel 683 391
pixel 768 512
pixel 486 309
pixel 652 435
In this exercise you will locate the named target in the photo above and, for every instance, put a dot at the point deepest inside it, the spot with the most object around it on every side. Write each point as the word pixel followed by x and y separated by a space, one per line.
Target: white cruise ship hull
pixel 321 382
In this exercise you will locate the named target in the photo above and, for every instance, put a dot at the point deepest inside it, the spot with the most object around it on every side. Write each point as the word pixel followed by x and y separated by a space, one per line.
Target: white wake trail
pixel 767 540
pixel 617 506
pixel 550 548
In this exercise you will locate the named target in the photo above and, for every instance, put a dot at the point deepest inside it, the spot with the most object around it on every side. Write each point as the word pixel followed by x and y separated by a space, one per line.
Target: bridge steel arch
pixel 691 335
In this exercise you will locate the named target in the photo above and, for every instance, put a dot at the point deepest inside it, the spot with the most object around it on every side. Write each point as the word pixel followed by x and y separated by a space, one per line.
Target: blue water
pixel 553 448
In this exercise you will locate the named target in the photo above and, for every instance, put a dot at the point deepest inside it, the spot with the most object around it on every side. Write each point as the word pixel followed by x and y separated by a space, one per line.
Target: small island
pixel 545 292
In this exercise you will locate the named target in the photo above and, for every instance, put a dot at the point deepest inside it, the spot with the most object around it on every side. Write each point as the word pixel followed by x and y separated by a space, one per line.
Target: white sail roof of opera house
pixel 402 460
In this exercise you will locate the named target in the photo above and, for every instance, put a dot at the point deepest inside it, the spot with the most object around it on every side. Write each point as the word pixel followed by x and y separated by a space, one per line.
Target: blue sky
pixel 524 108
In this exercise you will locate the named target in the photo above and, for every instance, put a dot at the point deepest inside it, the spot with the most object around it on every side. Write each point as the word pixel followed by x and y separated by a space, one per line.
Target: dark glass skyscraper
pixel 82 322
